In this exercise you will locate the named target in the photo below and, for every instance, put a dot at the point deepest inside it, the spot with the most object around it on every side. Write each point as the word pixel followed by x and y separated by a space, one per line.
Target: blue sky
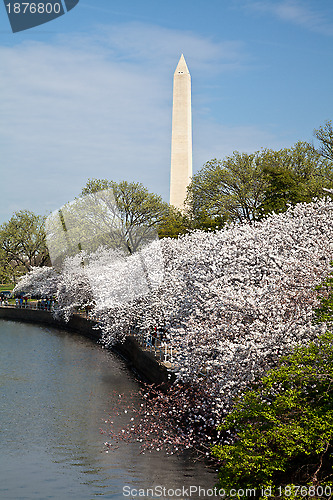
pixel 89 95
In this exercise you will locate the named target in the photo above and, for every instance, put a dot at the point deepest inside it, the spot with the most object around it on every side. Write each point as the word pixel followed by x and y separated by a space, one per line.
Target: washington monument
pixel 181 143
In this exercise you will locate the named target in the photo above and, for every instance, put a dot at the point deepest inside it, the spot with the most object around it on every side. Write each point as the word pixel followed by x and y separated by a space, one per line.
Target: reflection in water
pixel 57 389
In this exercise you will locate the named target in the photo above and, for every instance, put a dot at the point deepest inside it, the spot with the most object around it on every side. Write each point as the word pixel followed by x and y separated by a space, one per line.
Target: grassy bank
pixel 9 286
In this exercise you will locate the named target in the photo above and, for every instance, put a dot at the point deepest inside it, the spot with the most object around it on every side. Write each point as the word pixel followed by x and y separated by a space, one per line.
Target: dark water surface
pixel 56 391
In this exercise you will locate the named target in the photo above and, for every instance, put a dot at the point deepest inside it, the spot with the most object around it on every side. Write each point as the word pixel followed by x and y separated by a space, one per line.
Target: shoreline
pixel 142 363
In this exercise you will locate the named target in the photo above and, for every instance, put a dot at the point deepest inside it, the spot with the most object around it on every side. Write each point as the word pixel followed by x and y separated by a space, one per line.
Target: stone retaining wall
pixel 141 362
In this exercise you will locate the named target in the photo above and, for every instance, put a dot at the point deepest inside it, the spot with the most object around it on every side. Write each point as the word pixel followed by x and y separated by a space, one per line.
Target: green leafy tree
pixel 173 224
pixel 231 189
pixel 244 187
pixel 132 213
pixel 324 134
pixel 294 175
pixel 123 216
pixel 6 271
pixel 22 242
pixel 135 203
pixel 282 429
pixel 324 312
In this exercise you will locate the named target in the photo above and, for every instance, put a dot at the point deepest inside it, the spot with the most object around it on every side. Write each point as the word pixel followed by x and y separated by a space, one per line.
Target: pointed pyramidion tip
pixel 182 67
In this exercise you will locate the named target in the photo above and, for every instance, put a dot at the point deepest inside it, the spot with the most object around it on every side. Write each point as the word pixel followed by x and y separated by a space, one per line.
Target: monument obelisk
pixel 181 144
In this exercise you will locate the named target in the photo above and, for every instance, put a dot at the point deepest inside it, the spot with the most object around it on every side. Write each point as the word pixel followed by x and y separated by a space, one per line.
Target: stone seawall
pixel 139 361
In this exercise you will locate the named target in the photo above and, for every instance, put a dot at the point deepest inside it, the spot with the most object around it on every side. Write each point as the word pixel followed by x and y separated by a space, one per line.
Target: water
pixel 56 391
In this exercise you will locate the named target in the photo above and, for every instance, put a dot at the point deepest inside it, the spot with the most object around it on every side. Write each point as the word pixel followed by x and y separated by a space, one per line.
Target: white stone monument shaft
pixel 181 146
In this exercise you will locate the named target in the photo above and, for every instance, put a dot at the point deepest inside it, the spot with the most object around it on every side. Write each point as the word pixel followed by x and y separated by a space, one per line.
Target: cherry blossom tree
pixel 39 282
pixel 230 304
pixel 246 289
pixel 74 290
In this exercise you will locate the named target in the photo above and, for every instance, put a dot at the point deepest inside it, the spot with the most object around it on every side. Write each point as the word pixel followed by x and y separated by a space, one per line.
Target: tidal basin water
pixel 57 389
